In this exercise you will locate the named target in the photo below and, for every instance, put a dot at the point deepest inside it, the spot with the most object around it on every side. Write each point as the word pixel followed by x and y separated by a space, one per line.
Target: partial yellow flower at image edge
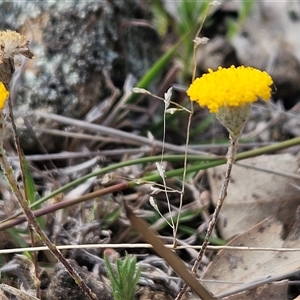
pixel 4 93
pixel 230 87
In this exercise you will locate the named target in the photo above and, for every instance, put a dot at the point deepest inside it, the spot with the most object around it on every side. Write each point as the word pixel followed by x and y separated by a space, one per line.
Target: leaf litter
pixel 232 271
pixel 254 195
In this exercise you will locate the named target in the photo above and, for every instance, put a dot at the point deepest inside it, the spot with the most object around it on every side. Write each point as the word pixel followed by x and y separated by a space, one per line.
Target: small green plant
pixel 124 277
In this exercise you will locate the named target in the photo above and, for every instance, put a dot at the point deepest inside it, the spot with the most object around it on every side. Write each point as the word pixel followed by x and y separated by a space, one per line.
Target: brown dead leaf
pixel 254 195
pixel 276 290
pixel 233 271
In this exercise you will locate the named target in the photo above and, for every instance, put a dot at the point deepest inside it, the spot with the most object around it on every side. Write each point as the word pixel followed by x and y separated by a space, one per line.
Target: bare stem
pixel 24 203
pixel 212 224
pixel 35 263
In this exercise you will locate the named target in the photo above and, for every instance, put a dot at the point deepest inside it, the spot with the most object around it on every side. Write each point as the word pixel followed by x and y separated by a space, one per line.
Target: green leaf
pixel 17 238
pixel 154 70
pixel 32 194
pixel 126 278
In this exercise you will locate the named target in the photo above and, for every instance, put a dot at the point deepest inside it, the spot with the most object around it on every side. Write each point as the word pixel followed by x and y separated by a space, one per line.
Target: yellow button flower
pixel 229 93
pixel 230 87
pixel 4 93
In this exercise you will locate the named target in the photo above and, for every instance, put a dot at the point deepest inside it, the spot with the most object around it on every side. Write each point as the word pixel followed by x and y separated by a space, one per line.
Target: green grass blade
pixel 155 69
pixel 32 193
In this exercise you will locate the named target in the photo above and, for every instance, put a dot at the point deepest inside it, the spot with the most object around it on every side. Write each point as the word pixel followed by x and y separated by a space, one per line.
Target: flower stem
pixel 223 193
pixel 212 224
pixel 24 203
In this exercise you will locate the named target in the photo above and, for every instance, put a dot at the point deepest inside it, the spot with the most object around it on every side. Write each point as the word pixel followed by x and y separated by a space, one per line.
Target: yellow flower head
pixel 4 93
pixel 230 87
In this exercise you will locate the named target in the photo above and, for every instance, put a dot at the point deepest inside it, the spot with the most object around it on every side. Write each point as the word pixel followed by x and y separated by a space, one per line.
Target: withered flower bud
pixel 11 44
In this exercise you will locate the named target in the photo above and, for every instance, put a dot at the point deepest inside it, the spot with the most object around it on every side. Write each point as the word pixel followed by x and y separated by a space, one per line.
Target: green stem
pixel 207 162
pixel 151 178
pixel 113 167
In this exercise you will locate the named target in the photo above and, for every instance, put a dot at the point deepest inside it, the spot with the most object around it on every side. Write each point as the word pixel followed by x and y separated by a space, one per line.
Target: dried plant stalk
pixel 12 44
pixel 223 193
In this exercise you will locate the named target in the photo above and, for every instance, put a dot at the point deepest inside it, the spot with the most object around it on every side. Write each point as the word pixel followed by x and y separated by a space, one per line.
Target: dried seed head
pixel 11 44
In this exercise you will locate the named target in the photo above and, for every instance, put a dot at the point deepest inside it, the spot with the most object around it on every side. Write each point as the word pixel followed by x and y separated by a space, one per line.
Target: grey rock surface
pixel 73 43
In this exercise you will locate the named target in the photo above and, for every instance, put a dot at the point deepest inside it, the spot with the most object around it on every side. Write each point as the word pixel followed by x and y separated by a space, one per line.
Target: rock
pixel 73 43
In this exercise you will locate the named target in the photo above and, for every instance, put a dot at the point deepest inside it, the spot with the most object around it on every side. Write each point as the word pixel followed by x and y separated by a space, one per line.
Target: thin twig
pixel 146 246
pixel 189 125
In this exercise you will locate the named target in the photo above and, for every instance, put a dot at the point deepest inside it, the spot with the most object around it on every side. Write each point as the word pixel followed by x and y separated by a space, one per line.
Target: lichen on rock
pixel 73 43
